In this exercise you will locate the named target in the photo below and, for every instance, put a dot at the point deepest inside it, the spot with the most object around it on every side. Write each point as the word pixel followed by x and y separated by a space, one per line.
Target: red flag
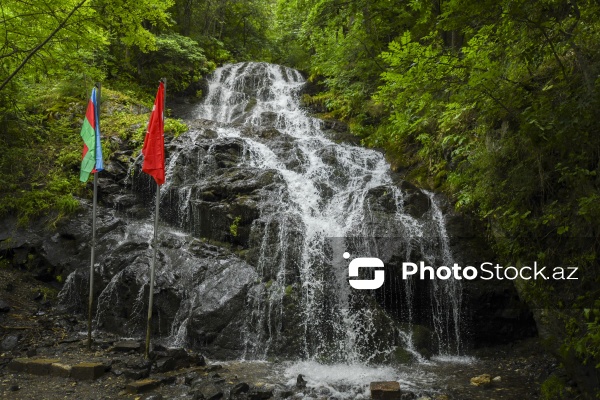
pixel 154 143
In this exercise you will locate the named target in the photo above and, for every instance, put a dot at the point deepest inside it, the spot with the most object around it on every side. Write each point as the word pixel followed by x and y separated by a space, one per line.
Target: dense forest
pixel 494 103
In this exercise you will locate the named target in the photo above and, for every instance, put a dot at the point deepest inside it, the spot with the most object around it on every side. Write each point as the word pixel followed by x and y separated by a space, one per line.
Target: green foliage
pixel 339 44
pixel 227 29
pixel 129 127
pixel 49 293
pixel 233 228
pixel 507 112
pixel 553 388
pixel 40 160
pixel 175 127
pixel 289 289
pixel 39 170
pixel 584 335
pixel 177 58
pixel 130 23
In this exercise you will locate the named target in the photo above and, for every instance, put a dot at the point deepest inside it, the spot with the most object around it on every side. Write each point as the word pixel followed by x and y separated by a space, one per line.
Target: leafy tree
pixel 227 29
pixel 178 58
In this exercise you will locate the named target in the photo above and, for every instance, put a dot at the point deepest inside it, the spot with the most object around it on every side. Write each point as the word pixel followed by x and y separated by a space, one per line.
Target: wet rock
pixel 389 390
pixel 210 392
pixel 268 119
pixel 4 307
pixel 260 393
pixel 481 380
pixel 189 378
pixel 165 379
pixel 424 340
pixel 416 203
pixel 142 386
pixel 241 387
pixel 300 382
pixel 42 366
pixel 61 370
pixel 197 382
pixel 153 396
pixel 165 364
pixel 182 358
pixel 9 342
pixel 127 346
pixel 285 393
pixel 323 391
pixel 88 371
pixel 137 369
pixel 215 319
pixel 18 365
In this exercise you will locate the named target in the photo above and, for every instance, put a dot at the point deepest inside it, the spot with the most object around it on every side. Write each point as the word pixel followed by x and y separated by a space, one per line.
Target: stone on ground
pixel 40 366
pixel 481 380
pixel 389 390
pixel 87 371
pixel 60 370
pixel 127 345
pixel 142 386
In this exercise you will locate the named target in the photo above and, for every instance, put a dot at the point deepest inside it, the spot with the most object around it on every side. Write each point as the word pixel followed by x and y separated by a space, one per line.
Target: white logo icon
pixel 366 262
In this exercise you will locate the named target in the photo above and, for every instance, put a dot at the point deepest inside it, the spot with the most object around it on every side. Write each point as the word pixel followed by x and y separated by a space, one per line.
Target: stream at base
pixel 518 370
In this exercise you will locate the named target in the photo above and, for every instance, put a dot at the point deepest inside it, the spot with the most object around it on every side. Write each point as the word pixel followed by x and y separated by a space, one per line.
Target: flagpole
pixel 155 248
pixel 93 255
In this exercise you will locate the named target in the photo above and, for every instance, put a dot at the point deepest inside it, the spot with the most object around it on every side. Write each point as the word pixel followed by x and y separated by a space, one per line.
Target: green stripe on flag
pixel 89 159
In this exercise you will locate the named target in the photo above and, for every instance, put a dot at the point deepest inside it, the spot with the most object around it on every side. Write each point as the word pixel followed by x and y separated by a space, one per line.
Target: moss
pixel 289 290
pixel 251 103
pixel 553 388
pixel 49 293
pixel 233 228
pixel 402 356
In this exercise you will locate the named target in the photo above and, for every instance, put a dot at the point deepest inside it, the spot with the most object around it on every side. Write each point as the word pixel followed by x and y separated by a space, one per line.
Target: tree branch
pixel 38 47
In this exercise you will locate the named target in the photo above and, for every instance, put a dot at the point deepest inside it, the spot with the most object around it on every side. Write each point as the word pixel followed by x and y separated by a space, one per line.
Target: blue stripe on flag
pixel 99 160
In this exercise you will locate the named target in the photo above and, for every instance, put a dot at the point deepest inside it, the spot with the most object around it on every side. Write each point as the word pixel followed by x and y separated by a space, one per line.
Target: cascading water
pixel 327 200
pixel 259 206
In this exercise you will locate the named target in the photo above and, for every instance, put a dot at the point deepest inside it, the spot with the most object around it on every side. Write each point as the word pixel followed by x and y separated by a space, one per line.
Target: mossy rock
pixel 402 356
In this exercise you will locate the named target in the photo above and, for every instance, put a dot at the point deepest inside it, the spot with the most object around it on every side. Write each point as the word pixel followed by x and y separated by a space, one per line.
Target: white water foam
pixel 351 381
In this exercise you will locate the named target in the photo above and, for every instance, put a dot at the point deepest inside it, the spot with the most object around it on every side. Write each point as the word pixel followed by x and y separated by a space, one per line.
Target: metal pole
pixel 155 246
pixel 93 255
pixel 152 272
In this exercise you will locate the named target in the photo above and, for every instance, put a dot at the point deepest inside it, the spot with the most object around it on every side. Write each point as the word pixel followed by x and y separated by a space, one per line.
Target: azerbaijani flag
pixel 90 133
pixel 154 142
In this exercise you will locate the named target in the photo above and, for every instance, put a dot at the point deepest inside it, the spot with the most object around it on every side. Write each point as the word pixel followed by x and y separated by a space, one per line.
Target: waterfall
pixel 260 204
pixel 321 209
